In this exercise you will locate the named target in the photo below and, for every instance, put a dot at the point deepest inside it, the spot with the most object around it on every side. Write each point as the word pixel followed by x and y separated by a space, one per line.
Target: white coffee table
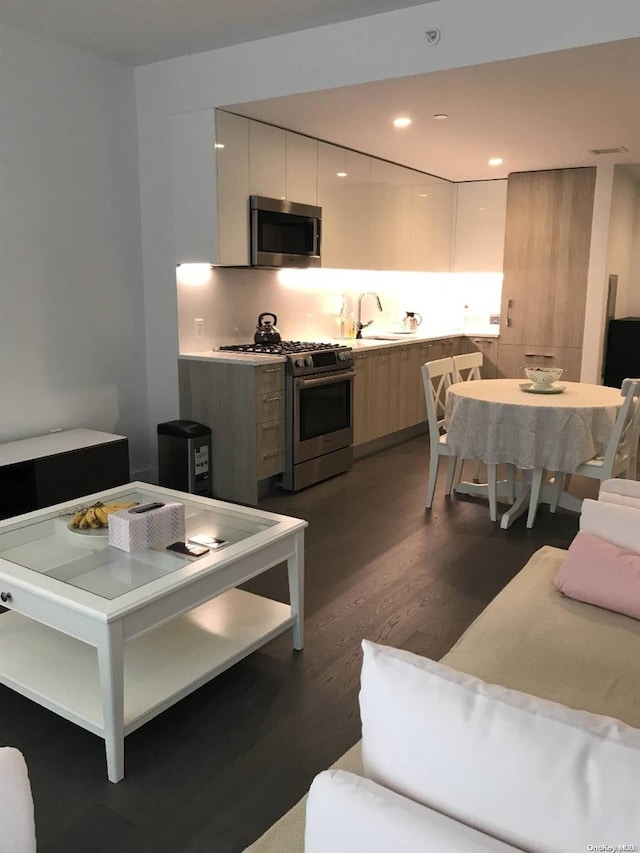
pixel 108 640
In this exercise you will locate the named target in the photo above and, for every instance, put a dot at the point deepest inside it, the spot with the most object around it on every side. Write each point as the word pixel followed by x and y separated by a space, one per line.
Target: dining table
pixel 556 430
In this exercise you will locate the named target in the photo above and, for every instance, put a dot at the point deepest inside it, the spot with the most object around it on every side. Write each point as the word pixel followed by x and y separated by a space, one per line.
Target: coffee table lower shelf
pixel 160 667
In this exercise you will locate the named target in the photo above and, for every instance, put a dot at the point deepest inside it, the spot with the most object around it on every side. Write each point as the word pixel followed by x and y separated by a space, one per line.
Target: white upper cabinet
pixel 432 223
pixel 267 160
pixel 390 230
pixel 480 226
pixel 332 168
pixel 195 211
pixel 375 214
pixel 301 168
pixel 232 154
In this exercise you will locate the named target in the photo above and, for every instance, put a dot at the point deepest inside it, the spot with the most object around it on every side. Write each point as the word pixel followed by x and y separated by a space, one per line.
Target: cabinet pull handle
pixel 273 399
pixel 509 307
pixel 271 369
pixel 271 453
pixel 5 596
pixel 272 426
pixel 548 355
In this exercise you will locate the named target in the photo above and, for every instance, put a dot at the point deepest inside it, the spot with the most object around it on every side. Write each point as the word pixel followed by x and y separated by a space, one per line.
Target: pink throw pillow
pixel 600 573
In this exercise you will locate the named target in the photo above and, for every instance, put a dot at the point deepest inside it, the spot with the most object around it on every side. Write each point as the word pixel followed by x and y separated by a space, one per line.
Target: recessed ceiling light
pixel 422 195
pixel 402 122
pixel 219 145
pixel 496 161
pixel 482 208
pixel 441 116
pixel 341 174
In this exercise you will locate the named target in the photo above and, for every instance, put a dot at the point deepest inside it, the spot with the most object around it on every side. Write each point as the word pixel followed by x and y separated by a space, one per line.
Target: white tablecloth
pixel 495 421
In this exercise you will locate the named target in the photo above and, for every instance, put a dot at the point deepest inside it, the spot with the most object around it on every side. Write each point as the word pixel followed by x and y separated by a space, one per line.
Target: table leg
pixel 295 566
pixel 111 666
pixel 534 500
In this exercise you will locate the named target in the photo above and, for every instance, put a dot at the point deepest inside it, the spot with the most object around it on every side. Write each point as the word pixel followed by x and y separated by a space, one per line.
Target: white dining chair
pixel 437 377
pixel 621 456
pixel 17 828
pixel 467 367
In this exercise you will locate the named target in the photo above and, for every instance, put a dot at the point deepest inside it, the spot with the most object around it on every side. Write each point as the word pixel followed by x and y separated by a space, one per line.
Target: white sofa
pixel 431 770
pixel 17 831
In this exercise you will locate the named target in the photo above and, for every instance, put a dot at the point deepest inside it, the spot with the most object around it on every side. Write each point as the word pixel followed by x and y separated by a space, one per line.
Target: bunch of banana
pixel 97 515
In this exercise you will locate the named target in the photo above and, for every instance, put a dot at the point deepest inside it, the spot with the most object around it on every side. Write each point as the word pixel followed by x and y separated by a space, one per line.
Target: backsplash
pixel 307 302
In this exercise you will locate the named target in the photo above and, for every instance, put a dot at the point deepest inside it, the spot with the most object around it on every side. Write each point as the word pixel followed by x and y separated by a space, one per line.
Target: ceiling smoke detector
pixel 619 150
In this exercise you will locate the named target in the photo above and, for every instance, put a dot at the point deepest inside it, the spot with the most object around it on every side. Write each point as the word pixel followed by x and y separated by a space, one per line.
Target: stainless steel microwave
pixel 284 233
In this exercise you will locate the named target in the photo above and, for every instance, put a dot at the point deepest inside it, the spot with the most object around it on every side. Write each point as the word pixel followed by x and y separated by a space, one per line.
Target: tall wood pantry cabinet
pixel 546 263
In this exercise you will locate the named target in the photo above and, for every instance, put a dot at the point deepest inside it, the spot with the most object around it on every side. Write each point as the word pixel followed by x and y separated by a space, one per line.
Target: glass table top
pixel 85 559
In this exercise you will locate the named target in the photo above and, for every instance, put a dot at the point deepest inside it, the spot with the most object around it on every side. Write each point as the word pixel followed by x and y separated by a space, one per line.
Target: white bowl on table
pixel 543 377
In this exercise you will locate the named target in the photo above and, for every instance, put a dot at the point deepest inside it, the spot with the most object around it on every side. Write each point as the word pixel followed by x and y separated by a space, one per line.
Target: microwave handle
pixel 315 238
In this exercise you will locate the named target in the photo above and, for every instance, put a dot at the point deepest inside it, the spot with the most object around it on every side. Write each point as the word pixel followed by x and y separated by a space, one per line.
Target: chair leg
pixel 534 500
pixel 458 475
pixel 433 476
pixel 558 485
pixel 452 467
pixel 492 483
pixel 511 483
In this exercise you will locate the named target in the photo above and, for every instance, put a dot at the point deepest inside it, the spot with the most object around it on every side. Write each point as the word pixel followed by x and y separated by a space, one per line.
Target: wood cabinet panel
pixel 546 257
pixel 267 160
pixel 302 168
pixel 269 407
pixel 270 435
pixel 269 378
pixel 513 358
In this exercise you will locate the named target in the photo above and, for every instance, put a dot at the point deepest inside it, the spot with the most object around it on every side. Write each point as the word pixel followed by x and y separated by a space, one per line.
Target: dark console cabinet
pixel 46 470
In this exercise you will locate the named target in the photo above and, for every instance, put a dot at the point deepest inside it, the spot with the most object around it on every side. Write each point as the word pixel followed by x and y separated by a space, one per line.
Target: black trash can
pixel 184 457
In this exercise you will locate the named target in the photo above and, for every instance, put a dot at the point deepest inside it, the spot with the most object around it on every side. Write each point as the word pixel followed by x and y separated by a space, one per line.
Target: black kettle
pixel 266 332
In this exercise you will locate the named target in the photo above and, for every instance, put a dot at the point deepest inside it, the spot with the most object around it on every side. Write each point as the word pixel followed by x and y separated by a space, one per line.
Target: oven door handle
pixel 326 380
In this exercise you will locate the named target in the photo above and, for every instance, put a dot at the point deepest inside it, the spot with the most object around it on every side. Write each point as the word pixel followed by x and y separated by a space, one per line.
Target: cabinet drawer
pixel 270 407
pixel 269 378
pixel 270 435
pixel 270 462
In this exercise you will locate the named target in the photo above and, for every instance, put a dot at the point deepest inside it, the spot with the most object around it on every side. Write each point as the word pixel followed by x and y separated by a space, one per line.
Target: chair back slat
pixel 436 377
pixel 624 436
pixel 466 367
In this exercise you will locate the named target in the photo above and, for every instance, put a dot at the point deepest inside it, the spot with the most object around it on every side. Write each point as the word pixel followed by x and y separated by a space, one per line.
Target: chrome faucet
pixel 359 324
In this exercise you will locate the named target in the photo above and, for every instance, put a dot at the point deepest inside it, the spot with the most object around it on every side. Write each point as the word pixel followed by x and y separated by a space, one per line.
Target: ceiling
pixel 137 32
pixel 538 112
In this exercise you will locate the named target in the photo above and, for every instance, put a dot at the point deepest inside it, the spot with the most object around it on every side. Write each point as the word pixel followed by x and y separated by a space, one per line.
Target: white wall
pixel 383 46
pixel 71 322
pixel 621 231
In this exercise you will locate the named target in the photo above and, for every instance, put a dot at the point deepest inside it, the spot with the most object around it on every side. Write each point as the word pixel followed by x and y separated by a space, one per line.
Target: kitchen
pixel 420 243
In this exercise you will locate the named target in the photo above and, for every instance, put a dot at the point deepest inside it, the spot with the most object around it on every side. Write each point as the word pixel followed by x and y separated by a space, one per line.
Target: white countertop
pixel 227 357
pixel 367 342
pixel 26 449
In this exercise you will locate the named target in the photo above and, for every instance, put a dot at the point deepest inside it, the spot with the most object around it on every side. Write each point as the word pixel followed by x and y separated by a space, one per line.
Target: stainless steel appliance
pixel 319 409
pixel 284 233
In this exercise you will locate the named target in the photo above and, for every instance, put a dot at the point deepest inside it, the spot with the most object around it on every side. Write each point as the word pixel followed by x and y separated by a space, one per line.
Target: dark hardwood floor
pixel 213 772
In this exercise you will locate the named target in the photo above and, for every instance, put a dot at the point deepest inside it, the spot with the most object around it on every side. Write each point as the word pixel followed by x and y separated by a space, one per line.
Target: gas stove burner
pixel 283 348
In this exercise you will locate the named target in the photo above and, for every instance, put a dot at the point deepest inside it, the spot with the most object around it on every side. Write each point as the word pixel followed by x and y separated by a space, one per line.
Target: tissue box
pixel 135 531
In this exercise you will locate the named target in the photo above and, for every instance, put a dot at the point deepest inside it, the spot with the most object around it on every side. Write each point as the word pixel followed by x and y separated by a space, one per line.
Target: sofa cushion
pixel 612 522
pixel 349 814
pixel 600 573
pixel 528 771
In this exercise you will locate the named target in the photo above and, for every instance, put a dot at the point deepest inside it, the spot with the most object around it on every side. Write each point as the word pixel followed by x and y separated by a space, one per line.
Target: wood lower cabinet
pixel 245 407
pixel 513 358
pixel 489 349
pixel 388 389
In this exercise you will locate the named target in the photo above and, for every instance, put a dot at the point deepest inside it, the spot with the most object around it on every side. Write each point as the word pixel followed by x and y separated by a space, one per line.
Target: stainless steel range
pixel 319 409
